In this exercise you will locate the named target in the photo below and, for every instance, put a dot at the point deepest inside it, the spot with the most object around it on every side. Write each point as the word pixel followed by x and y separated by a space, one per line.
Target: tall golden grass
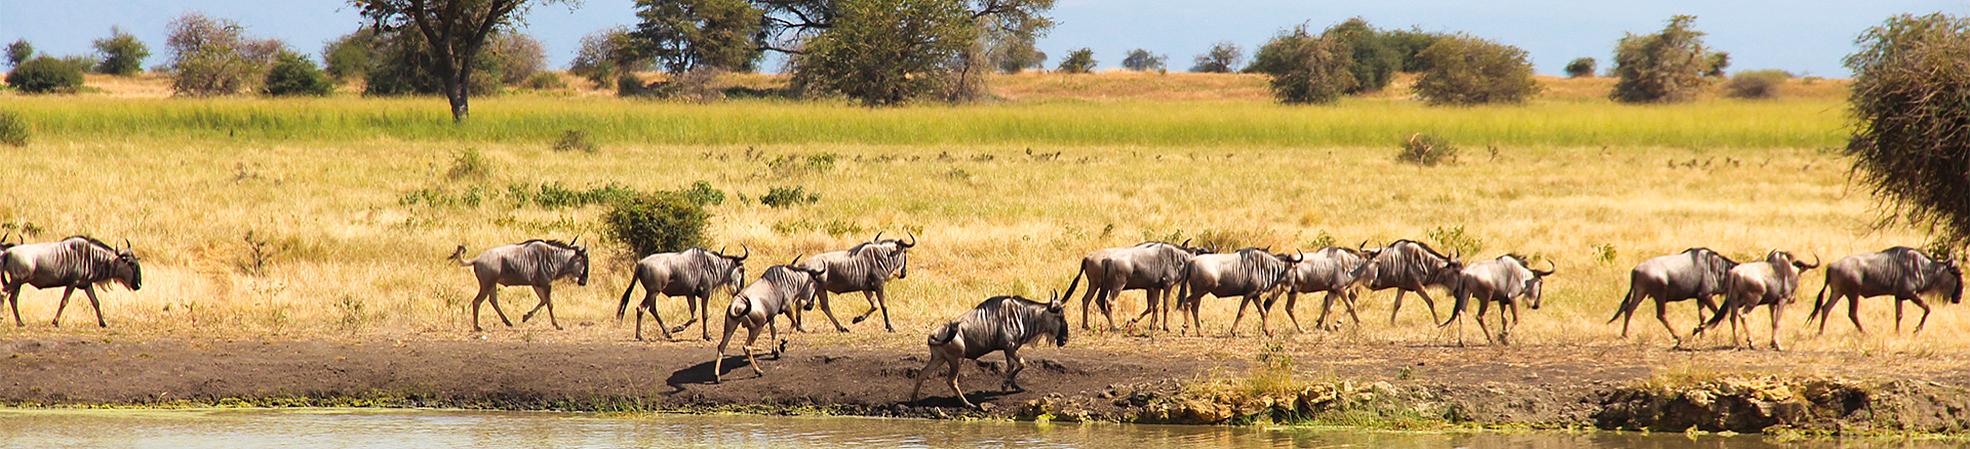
pixel 1005 197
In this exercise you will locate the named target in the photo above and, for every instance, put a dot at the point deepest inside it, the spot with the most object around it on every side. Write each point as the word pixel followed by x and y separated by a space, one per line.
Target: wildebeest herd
pixel 1257 276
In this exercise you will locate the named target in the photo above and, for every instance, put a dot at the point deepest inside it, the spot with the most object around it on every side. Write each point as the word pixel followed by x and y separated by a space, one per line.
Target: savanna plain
pixel 294 250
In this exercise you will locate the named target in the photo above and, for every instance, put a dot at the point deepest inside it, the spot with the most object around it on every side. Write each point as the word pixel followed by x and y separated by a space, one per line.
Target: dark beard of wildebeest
pixel 534 263
pixel 1503 280
pixel 1001 323
pixel 1149 266
pixel 1408 266
pixel 863 268
pixel 1695 273
pixel 694 274
pixel 777 292
pixel 1772 282
pixel 1246 273
pixel 77 262
pixel 1902 272
pixel 1329 270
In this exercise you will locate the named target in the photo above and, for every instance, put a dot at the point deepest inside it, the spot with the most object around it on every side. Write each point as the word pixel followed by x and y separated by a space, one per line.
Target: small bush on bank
pixel 1078 61
pixel 785 197
pixel 575 140
pixel 469 164
pixel 43 75
pixel 654 223
pixel 1756 84
pixel 1581 68
pixel 13 129
pixel 294 75
pixel 1466 70
pixel 1305 68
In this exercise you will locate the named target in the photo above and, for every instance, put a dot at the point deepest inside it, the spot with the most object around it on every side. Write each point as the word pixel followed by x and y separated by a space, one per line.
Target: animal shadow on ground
pixel 700 374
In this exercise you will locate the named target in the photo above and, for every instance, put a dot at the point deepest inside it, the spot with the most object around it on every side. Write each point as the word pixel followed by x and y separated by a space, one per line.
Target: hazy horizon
pixel 1804 37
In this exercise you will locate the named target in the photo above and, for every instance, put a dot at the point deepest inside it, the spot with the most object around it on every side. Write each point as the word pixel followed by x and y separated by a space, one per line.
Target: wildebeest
pixel 1408 266
pixel 1149 266
pixel 694 274
pixel 779 291
pixel 534 263
pixel 1696 273
pixel 77 262
pixel 1001 323
pixel 863 268
pixel 1503 280
pixel 1772 282
pixel 1329 270
pixel 1902 272
pixel 1246 273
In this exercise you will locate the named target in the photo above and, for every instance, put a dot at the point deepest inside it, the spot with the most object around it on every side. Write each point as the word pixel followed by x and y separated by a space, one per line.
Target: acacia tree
pixel 1223 57
pixel 454 30
pixel 1911 131
pixel 1666 66
pixel 683 35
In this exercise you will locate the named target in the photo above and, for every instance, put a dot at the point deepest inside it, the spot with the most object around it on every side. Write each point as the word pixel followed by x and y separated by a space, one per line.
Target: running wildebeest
pixel 1246 273
pixel 1329 270
pixel 534 263
pixel 779 291
pixel 1408 266
pixel 77 262
pixel 1902 272
pixel 1695 273
pixel 863 268
pixel 693 274
pixel 1772 282
pixel 1001 323
pixel 1503 280
pixel 1149 266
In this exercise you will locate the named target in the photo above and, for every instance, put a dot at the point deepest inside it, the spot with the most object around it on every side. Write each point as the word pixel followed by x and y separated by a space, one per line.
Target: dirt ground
pixel 1541 385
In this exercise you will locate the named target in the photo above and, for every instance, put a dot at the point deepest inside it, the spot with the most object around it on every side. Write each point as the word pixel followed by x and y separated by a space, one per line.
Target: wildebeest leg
pixel 1110 298
pixel 71 290
pixel 704 316
pixel 1350 298
pixel 476 300
pixel 935 356
pixel 1776 313
pixel 953 374
pixel 752 336
pixel 718 364
pixel 1853 314
pixel 882 301
pixel 869 295
pixel 773 338
pixel 1427 302
pixel 1504 325
pixel 828 310
pixel 1662 314
pixel 1898 316
pixel 1087 301
pixel 14 301
pixel 1148 311
pixel 546 294
pixel 1242 302
pixel 494 299
pixel 1014 365
pixel 1397 307
pixel 1925 314
pixel 91 291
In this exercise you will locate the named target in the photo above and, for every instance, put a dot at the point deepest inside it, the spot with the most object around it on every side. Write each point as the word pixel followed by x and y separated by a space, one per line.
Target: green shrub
pixel 1754 84
pixel 1466 70
pixel 703 194
pixel 1305 68
pixel 1581 68
pixel 1408 44
pixel 469 164
pixel 215 56
pixel 348 57
pixel 784 197
pixel 574 140
pixel 1911 130
pixel 1140 60
pixel 1455 241
pixel 1223 57
pixel 605 54
pixel 546 81
pixel 1373 61
pixel 886 52
pixel 1667 66
pixel 1426 150
pixel 1078 61
pixel 13 129
pixel 122 53
pixel 294 75
pixel 45 75
pixel 655 223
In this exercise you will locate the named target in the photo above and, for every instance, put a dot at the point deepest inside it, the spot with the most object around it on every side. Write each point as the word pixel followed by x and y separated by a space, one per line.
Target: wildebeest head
pixel 1056 317
pixel 577 265
pixel 1193 250
pixel 1952 281
pixel 10 233
pixel 1536 286
pixel 895 249
pixel 813 275
pixel 127 270
pixel 735 277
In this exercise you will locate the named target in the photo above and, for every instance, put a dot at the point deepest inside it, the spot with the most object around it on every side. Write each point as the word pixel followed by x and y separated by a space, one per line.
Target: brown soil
pixel 1106 377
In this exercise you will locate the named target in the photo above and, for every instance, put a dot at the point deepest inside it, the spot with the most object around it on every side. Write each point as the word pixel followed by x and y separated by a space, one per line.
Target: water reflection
pixel 350 428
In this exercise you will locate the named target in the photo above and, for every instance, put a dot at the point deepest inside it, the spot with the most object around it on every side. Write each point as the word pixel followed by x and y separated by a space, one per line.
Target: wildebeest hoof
pixel 841 329
pixel 782 349
pixel 858 320
pixel 677 329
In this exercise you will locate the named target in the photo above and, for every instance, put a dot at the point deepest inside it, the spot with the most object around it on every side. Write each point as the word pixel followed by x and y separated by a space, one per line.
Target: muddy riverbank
pixel 1614 386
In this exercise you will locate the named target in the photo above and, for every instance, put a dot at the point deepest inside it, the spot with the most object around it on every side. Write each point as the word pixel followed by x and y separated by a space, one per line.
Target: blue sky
pixel 1809 36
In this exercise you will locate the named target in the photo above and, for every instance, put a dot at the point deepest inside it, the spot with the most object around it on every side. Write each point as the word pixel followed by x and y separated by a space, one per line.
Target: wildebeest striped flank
pixel 534 263
pixel 779 291
pixel 1696 273
pixel 1408 266
pixel 1247 273
pixel 1329 270
pixel 1772 282
pixel 77 262
pixel 1149 266
pixel 1503 280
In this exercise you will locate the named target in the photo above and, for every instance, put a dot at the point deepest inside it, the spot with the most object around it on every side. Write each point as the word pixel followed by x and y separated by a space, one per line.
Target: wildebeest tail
pixel 1820 301
pixel 1183 286
pixel 623 306
pixel 1627 306
pixel 1456 307
pixel 459 256
pixel 943 334
pixel 1080 272
pixel 740 307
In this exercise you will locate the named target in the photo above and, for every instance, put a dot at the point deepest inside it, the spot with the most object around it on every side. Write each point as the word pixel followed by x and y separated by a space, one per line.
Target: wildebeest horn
pixel 1816 262
pixel 1362 246
pixel 913 240
pixel 1555 269
pixel 878 237
pixel 127 247
pixel 748 253
pixel 795 262
pixel 1186 243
